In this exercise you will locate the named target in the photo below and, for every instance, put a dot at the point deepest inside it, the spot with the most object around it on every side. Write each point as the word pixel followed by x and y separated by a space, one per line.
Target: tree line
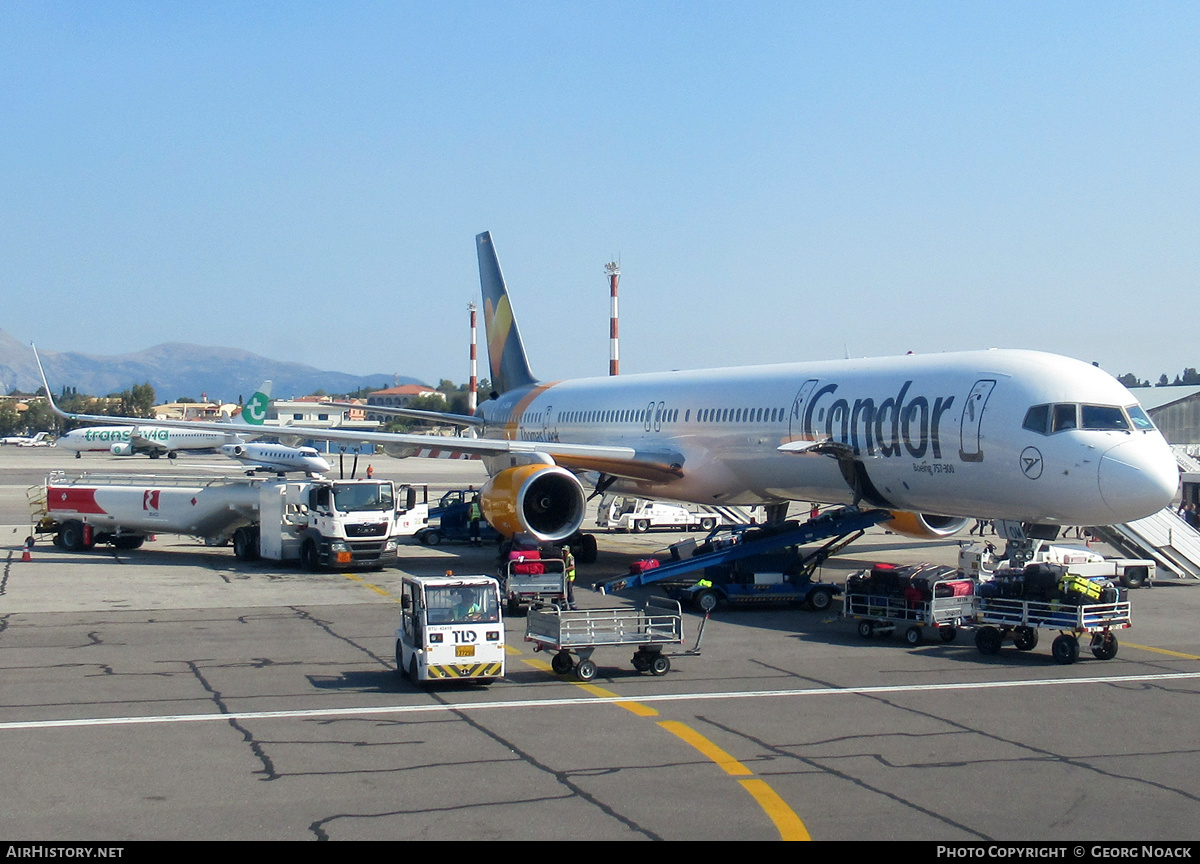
pixel 1189 376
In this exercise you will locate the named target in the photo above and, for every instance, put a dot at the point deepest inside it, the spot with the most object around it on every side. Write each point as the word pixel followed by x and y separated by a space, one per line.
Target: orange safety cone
pixel 27 550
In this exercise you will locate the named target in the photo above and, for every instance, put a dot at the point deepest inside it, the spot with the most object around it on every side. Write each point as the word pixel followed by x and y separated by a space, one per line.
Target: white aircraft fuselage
pixel 938 433
pixel 129 440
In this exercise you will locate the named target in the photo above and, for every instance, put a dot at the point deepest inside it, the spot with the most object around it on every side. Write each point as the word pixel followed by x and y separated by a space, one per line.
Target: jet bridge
pixel 723 549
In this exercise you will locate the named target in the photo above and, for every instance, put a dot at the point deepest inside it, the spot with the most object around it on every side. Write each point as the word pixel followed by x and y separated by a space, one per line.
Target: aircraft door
pixel 796 416
pixel 971 447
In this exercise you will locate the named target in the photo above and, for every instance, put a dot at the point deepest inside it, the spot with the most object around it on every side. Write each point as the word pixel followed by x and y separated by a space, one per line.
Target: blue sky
pixel 780 181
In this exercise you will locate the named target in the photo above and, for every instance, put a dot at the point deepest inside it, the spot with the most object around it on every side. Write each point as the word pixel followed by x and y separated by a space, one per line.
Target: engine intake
pixel 924 525
pixel 544 500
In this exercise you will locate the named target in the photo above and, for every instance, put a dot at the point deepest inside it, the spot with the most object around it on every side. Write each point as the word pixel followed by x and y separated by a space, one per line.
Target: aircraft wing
pixel 615 460
pixel 142 444
pixel 415 413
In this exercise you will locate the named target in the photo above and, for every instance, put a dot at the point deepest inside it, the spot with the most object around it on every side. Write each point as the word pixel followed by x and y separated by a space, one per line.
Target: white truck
pixel 316 521
pixel 638 515
pixel 979 561
pixel 451 629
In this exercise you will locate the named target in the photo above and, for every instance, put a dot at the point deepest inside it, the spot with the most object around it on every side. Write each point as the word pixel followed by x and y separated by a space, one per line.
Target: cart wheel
pixel 561 663
pixel 1104 646
pixel 948 634
pixel 913 635
pixel 660 665
pixel 707 601
pixel 1025 638
pixel 866 629
pixel 1065 649
pixel 514 607
pixel 586 670
pixel 988 640
pixel 820 599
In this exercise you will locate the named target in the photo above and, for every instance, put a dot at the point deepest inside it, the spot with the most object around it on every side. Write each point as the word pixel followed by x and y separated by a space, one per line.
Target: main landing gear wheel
pixel 1065 649
pixel 561 663
pixel 586 670
pixel 1104 646
pixel 1025 638
pixel 988 640
pixel 913 635
pixel 866 629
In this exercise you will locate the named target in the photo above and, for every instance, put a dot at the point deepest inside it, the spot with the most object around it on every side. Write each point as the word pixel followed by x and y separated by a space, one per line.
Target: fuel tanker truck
pixel 342 524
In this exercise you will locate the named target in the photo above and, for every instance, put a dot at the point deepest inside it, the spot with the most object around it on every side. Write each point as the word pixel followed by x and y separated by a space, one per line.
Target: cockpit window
pixel 1048 419
pixel 1064 418
pixel 1036 419
pixel 1103 417
pixel 1140 421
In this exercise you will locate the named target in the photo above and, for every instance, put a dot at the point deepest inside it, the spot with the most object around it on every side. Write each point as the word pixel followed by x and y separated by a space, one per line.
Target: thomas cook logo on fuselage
pixel 890 427
pixel 1031 463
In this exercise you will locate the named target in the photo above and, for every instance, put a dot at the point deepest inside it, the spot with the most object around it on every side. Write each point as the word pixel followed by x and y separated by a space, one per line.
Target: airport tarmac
pixel 175 693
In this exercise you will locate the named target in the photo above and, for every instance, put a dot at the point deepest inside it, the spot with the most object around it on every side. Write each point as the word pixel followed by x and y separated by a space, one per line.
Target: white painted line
pixel 589 701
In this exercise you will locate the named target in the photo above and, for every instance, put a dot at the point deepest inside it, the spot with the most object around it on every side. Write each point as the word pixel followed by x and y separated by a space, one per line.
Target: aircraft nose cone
pixel 1137 478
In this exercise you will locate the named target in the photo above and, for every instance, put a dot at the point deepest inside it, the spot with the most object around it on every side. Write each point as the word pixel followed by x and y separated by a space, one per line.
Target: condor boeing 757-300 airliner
pixel 1023 436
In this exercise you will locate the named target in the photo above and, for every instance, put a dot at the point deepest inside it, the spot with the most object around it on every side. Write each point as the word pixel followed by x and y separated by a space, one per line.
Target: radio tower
pixel 472 385
pixel 613 269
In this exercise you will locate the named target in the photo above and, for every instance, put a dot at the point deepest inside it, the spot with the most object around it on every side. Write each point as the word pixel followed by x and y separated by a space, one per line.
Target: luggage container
pixel 888 598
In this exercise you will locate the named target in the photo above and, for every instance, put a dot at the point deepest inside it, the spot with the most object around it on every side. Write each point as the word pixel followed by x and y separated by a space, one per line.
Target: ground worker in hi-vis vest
pixel 475 514
pixel 569 572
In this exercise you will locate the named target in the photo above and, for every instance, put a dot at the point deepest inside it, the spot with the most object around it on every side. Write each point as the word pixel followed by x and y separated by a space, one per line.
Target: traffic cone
pixel 26 550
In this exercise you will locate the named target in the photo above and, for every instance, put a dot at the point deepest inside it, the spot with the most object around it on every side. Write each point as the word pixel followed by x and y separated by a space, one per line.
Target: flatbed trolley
pixel 579 632
pixel 882 614
pixel 998 619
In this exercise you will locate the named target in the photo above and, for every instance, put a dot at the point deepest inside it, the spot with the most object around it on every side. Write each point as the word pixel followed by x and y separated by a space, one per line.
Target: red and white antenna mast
pixel 473 384
pixel 613 269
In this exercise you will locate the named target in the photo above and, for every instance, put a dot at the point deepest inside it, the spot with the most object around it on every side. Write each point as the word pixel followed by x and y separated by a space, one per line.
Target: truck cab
pixel 451 629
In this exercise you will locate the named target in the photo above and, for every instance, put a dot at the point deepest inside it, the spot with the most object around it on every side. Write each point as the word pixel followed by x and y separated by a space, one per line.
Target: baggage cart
pixel 533 582
pixel 999 618
pixel 572 633
pixel 881 614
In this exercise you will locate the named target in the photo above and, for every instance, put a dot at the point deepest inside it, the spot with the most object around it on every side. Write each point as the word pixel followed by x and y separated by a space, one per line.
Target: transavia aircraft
pixel 1016 435
pixel 165 438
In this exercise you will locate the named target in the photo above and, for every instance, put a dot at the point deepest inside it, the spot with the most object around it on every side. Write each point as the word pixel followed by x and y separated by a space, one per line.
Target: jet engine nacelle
pixel 124 449
pixel 924 525
pixel 543 500
pixel 233 451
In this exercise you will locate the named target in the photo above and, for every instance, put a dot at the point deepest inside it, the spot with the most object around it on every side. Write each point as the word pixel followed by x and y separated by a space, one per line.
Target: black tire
pixel 514 607
pixel 245 544
pixel 641 662
pixel 561 663
pixel 412 671
pixel 432 538
pixel 586 670
pixel 988 640
pixel 707 600
pixel 70 536
pixel 587 549
pixel 403 673
pixel 641 526
pixel 866 629
pixel 820 599
pixel 128 541
pixel 173 455
pixel 423 538
pixel 1025 638
pixel 309 559
pixel 913 635
pixel 1134 577
pixel 948 633
pixel 708 524
pixel 660 665
pixel 1104 646
pixel 1065 649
